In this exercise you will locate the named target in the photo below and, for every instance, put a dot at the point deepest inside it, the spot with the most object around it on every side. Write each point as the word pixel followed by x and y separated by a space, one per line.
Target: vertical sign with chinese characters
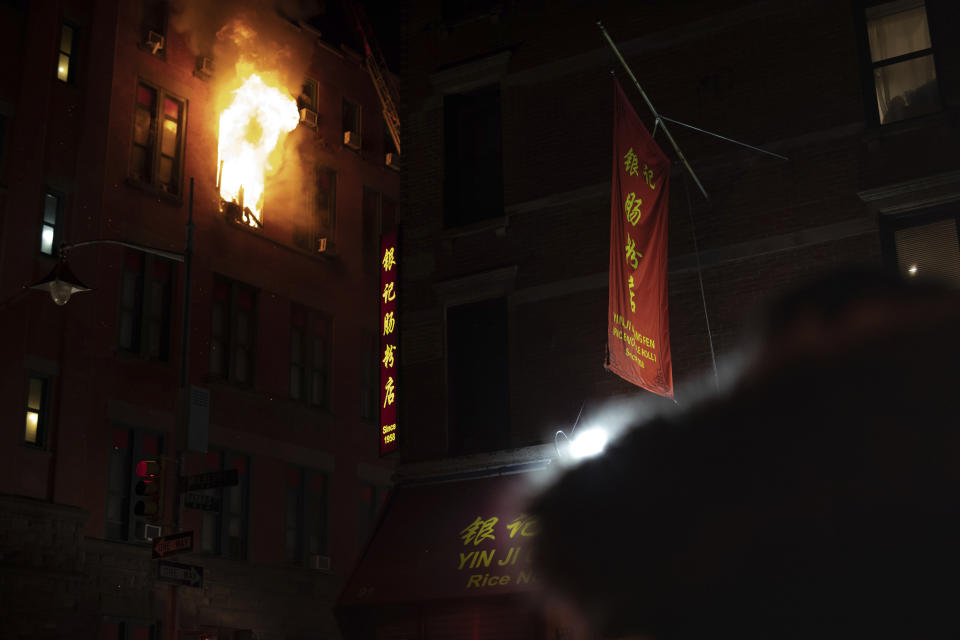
pixel 388 342
pixel 638 340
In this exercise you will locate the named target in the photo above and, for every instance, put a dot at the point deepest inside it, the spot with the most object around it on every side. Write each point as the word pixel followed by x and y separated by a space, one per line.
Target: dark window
pixel 145 305
pixel 50 227
pixel 902 61
pixel 924 244
pixel 371 229
pixel 309 95
pixel 232 331
pixel 477 368
pixel 65 54
pixel 38 410
pixel 153 23
pixel 372 498
pixel 224 532
pixel 128 447
pixel 4 123
pixel 473 163
pixel 157 153
pixel 119 629
pixel 309 356
pixel 351 124
pixel 305 541
pixel 370 390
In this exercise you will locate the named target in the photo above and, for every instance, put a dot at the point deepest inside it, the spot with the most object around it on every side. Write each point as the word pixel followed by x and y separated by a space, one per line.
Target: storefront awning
pixel 455 539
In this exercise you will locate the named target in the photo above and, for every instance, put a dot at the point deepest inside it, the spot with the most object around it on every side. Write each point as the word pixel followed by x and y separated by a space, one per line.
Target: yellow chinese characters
pixel 388 260
pixel 523 525
pixel 648 176
pixel 632 208
pixel 630 249
pixel 388 390
pixel 388 323
pixel 479 530
pixel 388 355
pixel 630 164
pixel 633 305
pixel 388 292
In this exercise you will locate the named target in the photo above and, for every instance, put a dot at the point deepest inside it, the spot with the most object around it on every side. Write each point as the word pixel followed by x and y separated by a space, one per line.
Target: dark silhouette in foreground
pixel 819 496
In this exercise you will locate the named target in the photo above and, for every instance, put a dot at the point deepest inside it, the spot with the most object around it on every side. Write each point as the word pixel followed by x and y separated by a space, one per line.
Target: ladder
pixel 376 67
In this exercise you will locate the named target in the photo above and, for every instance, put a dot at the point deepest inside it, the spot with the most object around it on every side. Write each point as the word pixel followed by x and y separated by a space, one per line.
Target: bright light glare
pixel 912 270
pixel 588 442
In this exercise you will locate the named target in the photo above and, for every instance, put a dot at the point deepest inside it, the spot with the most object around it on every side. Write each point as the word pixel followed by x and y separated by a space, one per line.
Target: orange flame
pixel 250 129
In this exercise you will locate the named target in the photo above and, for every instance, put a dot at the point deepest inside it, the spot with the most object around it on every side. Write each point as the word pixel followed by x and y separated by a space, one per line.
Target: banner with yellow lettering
pixel 638 340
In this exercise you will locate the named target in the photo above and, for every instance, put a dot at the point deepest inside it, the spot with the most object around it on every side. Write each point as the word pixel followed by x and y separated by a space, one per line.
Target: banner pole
pixel 656 115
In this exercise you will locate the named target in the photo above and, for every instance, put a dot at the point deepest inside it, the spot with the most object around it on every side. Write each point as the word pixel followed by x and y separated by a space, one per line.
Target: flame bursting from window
pixel 251 127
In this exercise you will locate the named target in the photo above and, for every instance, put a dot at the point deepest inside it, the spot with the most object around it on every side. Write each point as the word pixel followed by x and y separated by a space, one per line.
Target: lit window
pixel 928 249
pixel 36 411
pixel 157 152
pixel 901 55
pixel 65 54
pixel 51 215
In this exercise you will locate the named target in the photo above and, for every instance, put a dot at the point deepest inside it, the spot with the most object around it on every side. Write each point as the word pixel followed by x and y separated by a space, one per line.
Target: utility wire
pixel 703 296
pixel 717 135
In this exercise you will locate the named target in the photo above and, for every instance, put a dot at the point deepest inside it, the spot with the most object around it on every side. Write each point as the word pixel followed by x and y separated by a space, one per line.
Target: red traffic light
pixel 149 469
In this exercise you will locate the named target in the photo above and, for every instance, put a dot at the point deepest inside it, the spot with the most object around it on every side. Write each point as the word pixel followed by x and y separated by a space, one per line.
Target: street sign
pixel 187 575
pixel 173 544
pixel 202 502
pixel 210 480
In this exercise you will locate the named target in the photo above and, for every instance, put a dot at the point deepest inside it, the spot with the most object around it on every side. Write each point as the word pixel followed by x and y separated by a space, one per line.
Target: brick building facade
pixel 108 114
pixel 505 232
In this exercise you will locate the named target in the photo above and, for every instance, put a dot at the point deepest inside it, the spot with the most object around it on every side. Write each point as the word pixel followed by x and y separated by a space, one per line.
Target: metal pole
pixel 656 115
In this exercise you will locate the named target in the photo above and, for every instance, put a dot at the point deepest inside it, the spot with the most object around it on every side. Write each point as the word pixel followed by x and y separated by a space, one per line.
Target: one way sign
pixel 187 575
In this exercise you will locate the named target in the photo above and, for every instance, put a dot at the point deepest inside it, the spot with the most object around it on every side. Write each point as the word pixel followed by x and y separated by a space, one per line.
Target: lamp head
pixel 60 283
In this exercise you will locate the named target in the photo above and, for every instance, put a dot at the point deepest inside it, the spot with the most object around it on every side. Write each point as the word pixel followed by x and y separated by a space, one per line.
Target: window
pixel 309 356
pixel 145 305
pixel 153 18
pixel 309 96
pixel 65 54
pixel 306 517
pixel 128 446
pixel 351 124
pixel 225 532
pixel 369 392
pixel 232 331
pixel 477 376
pixel 473 163
pixel 119 629
pixel 157 153
pixel 924 244
pixel 320 234
pixel 901 56
pixel 372 498
pixel 38 399
pixel 50 228
pixel 379 215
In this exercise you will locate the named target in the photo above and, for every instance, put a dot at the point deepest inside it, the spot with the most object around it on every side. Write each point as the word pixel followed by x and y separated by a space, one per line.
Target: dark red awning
pixel 456 539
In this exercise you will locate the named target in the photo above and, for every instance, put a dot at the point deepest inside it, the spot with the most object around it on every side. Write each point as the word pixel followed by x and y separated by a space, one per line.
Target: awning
pixel 455 539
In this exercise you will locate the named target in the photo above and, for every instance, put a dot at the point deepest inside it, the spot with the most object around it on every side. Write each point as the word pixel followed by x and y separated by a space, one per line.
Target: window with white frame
pixel 902 60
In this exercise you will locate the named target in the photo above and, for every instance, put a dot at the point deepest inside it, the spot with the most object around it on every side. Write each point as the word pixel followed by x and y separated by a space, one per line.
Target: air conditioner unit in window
pixel 393 160
pixel 204 67
pixel 152 531
pixel 308 117
pixel 351 139
pixel 320 562
pixel 155 42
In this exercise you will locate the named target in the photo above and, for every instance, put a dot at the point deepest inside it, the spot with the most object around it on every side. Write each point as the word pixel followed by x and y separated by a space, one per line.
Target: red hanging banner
pixel 638 338
pixel 388 342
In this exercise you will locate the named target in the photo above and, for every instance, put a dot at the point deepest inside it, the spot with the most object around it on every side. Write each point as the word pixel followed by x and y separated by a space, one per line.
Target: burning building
pixel 224 389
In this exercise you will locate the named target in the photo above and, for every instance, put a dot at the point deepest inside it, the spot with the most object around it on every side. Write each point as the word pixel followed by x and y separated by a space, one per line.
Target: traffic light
pixel 149 490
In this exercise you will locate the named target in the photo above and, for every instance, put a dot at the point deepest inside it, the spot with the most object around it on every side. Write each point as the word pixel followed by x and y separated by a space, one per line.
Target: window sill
pixel 498 224
pixel 156 192
pixel 257 232
pixel 36 448
pixel 901 127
